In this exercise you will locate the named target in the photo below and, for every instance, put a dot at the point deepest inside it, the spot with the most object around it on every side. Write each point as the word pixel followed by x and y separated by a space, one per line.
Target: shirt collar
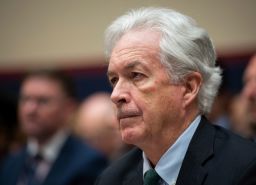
pixel 51 149
pixel 169 165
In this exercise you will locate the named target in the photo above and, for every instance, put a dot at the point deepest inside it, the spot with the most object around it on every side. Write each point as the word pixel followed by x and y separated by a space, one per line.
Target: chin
pixel 32 131
pixel 130 136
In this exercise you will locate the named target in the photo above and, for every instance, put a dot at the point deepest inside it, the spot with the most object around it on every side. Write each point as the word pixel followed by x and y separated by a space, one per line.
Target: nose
pixel 120 94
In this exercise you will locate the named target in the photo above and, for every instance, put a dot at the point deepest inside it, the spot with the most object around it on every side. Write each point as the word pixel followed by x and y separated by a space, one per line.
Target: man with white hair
pixel 164 78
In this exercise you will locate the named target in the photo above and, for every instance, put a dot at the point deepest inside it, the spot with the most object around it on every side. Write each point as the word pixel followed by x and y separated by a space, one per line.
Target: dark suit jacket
pixel 214 157
pixel 77 164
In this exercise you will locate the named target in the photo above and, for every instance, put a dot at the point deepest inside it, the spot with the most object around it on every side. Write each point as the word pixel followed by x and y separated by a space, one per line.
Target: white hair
pixel 184 47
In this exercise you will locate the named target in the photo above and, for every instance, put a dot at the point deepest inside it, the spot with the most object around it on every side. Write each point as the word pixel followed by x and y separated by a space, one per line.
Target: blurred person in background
pixel 249 93
pixel 164 78
pixel 239 118
pixel 96 123
pixel 52 156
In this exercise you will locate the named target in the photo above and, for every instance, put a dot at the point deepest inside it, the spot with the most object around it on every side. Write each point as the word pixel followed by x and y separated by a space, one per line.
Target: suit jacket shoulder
pixel 12 166
pixel 76 164
pixel 214 156
pixel 217 156
pixel 126 171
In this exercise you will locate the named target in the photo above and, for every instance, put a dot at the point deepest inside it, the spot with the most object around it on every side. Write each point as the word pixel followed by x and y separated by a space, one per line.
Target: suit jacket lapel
pixel 61 163
pixel 135 175
pixel 199 152
pixel 17 166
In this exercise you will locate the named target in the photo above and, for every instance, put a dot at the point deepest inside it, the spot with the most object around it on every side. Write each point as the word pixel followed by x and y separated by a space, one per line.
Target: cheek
pixel 150 89
pixel 48 113
pixel 152 105
pixel 149 93
pixel 156 94
pixel 164 104
pixel 51 115
pixel 157 97
pixel 54 110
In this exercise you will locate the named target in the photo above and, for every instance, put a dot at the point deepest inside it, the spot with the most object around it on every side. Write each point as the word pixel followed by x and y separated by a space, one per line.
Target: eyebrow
pixel 129 66
pixel 132 65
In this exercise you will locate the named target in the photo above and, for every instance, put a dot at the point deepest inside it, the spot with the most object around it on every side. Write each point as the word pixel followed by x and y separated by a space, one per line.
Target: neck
pixel 158 145
pixel 42 140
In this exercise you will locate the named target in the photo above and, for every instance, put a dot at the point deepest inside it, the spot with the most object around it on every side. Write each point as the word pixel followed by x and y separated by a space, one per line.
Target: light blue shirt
pixel 169 165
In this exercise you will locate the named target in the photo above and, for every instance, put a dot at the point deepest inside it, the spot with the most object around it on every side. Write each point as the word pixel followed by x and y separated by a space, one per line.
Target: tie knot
pixel 151 177
pixel 38 157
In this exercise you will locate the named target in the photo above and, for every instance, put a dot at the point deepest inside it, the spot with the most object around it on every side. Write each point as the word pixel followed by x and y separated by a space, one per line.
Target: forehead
pixel 40 85
pixel 134 46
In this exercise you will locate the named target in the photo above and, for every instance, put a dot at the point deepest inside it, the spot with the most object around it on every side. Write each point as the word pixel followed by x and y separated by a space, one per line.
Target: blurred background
pixel 69 35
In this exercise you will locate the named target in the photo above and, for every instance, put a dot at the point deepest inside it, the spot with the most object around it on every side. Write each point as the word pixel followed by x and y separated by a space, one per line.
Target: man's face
pixel 42 107
pixel 249 90
pixel 148 105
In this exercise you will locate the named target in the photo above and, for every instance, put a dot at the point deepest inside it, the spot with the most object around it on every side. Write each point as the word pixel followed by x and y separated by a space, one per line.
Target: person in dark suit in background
pixel 164 78
pixel 52 156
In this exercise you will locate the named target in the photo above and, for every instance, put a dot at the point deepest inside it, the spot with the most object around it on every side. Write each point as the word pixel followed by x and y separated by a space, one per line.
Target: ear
pixel 192 85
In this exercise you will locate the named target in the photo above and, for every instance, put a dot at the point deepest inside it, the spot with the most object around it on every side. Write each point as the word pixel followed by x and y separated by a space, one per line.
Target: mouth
pixel 128 114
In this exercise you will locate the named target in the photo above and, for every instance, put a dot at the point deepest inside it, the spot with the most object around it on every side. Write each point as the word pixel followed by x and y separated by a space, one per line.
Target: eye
pixel 43 100
pixel 137 76
pixel 113 81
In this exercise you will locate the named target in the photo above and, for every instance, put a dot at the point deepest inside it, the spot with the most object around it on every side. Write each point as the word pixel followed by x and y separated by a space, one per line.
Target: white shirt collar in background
pixel 51 149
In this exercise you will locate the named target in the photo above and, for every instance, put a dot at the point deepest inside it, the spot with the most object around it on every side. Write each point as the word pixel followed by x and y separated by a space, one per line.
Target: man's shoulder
pixel 12 163
pixel 232 150
pixel 229 138
pixel 126 162
pixel 78 146
pixel 80 151
pixel 234 145
pixel 78 162
pixel 233 156
pixel 131 162
pixel 15 156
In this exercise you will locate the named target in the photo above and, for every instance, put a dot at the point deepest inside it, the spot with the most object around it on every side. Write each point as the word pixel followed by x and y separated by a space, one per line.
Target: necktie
pixel 29 176
pixel 151 177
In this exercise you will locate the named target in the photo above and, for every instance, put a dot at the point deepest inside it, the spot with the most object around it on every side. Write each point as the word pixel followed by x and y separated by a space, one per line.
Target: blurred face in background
pixel 97 124
pixel 249 90
pixel 43 107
